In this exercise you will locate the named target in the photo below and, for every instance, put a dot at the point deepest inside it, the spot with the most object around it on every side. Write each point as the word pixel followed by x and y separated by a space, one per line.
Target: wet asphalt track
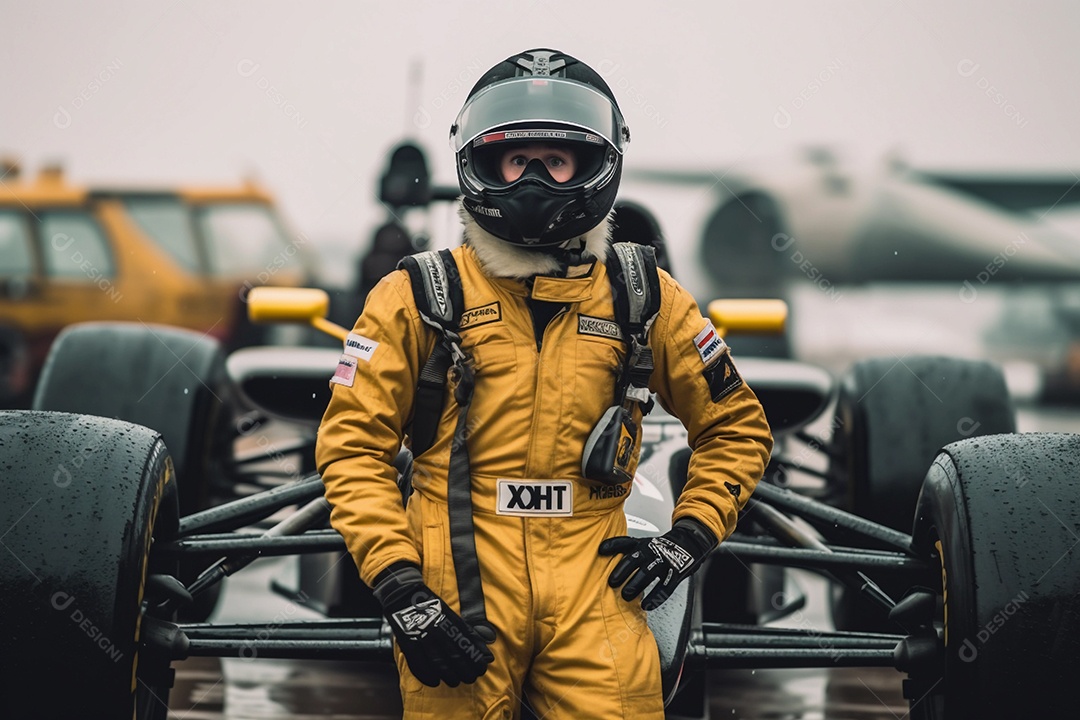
pixel 236 689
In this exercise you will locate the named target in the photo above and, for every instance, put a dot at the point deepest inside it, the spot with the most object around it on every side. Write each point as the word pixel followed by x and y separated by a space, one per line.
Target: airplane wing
pixel 1014 192
pixel 674 177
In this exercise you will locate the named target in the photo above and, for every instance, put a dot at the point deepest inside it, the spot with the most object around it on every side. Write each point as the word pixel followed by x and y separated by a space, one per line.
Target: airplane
pixel 979 264
pixel 821 218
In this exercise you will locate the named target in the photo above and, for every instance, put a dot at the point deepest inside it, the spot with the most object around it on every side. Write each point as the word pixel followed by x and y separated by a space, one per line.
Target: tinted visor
pixel 537 102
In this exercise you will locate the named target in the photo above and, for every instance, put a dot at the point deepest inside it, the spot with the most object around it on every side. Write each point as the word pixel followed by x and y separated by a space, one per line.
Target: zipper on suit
pixel 539 383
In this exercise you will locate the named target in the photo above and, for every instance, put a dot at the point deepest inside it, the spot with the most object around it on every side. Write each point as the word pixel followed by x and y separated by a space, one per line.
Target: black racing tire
pixel 168 379
pixel 82 499
pixel 1000 514
pixel 892 416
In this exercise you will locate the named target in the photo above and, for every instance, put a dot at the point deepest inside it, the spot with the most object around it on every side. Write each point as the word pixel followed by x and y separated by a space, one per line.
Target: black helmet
pixel 539 96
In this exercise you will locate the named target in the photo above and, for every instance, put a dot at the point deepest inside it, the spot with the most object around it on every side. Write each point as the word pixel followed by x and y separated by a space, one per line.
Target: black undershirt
pixel 542 312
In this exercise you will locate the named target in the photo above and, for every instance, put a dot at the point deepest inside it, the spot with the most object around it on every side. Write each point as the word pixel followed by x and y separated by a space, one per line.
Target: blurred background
pixel 903 172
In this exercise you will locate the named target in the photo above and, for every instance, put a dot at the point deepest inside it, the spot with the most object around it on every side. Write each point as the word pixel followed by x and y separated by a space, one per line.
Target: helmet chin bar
pixel 532 211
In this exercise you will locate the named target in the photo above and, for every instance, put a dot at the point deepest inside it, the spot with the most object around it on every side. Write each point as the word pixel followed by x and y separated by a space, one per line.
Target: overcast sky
pixel 309 96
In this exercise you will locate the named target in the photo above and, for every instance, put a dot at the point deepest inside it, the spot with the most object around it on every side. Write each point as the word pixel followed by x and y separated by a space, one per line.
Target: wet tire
pixel 168 379
pixel 892 416
pixel 81 499
pixel 1002 516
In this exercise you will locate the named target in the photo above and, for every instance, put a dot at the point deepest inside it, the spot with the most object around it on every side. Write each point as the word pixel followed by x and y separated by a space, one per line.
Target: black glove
pixel 669 558
pixel 438 644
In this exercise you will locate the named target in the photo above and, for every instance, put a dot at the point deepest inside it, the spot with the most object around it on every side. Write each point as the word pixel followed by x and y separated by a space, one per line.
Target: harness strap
pixel 460 514
pixel 440 300
pixel 429 399
pixel 635 288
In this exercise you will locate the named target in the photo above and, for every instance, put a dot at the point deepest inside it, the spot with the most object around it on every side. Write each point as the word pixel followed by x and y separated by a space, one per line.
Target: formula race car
pixel 948 537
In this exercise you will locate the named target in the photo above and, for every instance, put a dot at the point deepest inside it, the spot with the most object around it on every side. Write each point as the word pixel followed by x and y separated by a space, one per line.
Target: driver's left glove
pixel 668 559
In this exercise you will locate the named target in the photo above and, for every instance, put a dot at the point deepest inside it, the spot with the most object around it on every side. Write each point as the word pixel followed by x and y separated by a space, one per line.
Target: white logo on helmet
pixel 490 212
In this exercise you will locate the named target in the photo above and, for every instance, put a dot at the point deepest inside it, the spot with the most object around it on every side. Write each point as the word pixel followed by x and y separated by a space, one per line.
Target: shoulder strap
pixel 635 290
pixel 436 287
pixel 635 286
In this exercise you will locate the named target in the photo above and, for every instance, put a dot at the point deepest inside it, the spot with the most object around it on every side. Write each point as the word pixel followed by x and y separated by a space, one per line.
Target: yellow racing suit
pixel 564 637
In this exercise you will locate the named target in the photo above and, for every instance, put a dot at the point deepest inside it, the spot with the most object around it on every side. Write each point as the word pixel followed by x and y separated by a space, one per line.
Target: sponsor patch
pixel 359 346
pixel 529 498
pixel 346 371
pixel 607 492
pixel 708 344
pixel 480 316
pixel 722 377
pixel 599 327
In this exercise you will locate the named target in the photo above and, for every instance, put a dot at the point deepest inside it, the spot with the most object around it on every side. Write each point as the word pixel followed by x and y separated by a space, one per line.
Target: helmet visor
pixel 539 101
pixel 489 150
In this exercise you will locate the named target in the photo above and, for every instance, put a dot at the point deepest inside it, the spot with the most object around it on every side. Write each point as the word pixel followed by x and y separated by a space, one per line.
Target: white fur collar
pixel 502 259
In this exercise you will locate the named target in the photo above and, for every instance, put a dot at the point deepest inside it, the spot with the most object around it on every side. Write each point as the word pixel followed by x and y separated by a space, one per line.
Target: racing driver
pixel 536 592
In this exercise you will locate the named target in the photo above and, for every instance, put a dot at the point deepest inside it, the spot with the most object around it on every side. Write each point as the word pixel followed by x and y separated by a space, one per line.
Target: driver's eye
pixel 556 161
pixel 518 160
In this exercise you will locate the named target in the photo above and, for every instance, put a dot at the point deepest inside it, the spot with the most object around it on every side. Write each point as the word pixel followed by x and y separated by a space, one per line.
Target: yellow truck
pixel 184 257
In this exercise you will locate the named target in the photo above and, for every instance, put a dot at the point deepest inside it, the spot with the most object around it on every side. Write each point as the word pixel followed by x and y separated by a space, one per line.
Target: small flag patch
pixel 346 371
pixel 708 344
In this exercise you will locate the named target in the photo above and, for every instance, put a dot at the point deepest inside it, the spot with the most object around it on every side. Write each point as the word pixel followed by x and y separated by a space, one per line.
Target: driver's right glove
pixel 438 644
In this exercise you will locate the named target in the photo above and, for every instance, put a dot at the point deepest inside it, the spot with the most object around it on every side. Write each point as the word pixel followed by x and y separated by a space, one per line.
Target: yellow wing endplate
pixel 293 305
pixel 749 315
